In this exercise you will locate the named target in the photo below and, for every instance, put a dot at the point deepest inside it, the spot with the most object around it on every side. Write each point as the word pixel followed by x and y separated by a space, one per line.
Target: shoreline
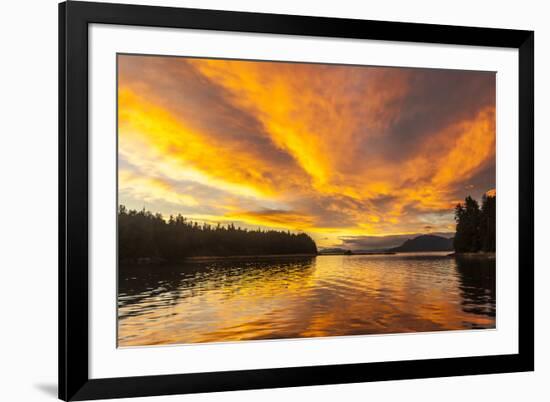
pixel 362 253
pixel 160 261
pixel 479 254
pixel 241 257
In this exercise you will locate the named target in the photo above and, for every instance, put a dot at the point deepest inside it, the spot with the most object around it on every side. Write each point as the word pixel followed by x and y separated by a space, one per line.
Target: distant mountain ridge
pixel 425 243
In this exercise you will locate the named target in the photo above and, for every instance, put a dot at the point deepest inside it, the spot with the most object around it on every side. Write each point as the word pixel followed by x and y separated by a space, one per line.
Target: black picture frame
pixel 74 381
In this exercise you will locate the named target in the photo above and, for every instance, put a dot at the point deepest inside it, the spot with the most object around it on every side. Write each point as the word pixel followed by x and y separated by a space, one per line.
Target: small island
pixel 145 237
pixel 342 251
pixel 426 242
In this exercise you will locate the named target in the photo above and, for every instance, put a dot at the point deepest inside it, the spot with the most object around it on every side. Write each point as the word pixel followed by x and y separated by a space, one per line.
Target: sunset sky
pixel 357 157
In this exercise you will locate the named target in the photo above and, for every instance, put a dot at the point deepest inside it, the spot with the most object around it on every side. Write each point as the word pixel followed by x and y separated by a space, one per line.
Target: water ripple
pixel 303 297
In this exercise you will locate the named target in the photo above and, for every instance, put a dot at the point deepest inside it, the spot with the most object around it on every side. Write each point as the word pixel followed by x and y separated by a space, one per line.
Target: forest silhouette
pixel 146 235
pixel 475 225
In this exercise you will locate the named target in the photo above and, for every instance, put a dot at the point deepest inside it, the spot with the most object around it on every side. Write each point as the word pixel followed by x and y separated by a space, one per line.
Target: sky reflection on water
pixel 215 301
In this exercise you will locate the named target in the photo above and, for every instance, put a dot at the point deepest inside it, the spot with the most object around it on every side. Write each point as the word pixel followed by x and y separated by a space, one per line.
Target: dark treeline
pixel 142 234
pixel 475 225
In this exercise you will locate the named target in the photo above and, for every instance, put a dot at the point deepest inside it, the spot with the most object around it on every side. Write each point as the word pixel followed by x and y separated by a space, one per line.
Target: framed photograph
pixel 257 201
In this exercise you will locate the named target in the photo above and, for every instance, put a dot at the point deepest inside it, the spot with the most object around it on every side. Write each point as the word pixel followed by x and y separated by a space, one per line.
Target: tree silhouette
pixel 488 223
pixel 475 226
pixel 142 234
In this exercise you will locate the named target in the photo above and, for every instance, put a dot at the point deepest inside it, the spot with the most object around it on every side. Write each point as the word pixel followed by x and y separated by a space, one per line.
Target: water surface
pixel 245 299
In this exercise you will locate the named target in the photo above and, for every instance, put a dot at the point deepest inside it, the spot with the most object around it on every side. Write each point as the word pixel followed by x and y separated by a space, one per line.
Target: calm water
pixel 213 301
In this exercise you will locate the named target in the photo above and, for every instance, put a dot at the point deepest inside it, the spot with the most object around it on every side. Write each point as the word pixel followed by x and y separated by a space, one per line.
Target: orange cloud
pixel 150 133
pixel 274 218
pixel 306 111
